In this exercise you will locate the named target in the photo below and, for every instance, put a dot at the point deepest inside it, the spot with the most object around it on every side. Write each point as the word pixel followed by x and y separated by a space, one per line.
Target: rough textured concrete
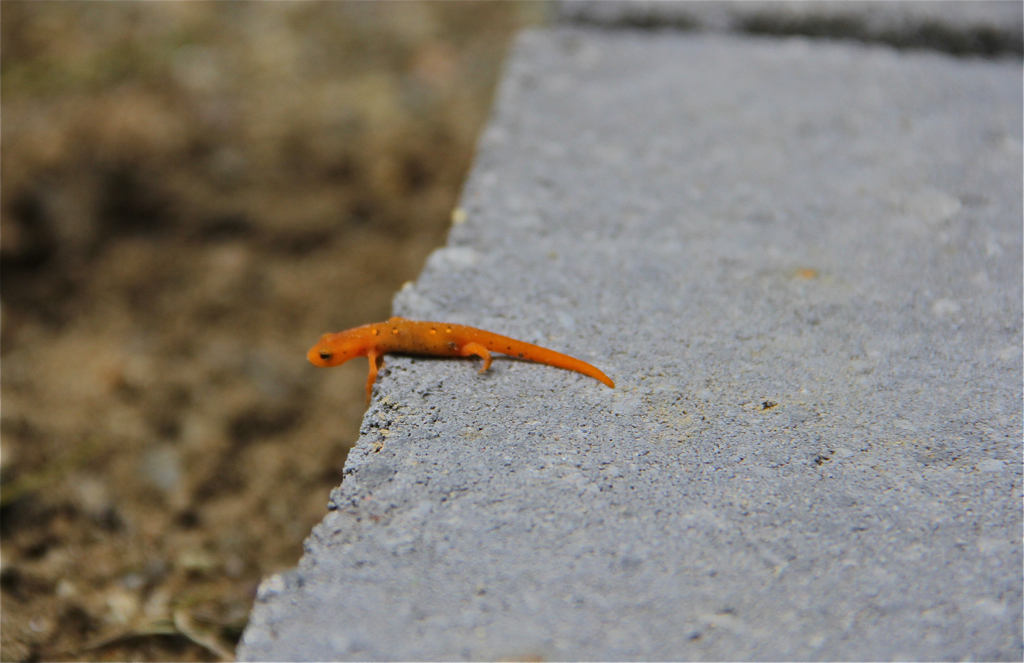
pixel 972 27
pixel 802 265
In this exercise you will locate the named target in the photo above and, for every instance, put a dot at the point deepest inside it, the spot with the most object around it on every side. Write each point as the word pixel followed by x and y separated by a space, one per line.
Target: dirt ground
pixel 191 194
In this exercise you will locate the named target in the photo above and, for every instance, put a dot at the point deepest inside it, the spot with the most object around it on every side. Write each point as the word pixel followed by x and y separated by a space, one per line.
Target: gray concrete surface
pixel 973 27
pixel 801 262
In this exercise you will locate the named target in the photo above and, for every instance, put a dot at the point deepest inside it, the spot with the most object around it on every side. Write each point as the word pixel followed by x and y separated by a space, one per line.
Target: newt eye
pixel 326 356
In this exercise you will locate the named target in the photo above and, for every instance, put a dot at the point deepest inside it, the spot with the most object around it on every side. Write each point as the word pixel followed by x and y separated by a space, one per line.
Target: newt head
pixel 335 350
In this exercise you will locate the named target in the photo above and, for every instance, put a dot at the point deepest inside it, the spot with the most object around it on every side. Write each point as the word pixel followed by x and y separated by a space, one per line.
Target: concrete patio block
pixel 801 263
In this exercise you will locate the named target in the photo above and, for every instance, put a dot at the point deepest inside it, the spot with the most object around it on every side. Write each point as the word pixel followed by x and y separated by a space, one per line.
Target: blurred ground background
pixel 191 194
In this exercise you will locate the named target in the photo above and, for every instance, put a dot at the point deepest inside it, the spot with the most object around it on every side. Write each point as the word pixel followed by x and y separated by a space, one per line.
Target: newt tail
pixel 399 335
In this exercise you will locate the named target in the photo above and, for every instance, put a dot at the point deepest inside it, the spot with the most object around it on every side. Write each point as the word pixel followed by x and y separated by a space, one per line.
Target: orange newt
pixel 433 338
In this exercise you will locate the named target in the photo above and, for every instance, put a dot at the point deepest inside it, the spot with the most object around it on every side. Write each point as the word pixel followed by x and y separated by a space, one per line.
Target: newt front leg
pixel 376 362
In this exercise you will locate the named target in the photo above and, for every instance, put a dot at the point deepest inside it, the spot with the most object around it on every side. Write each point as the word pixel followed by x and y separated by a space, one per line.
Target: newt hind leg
pixel 470 349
